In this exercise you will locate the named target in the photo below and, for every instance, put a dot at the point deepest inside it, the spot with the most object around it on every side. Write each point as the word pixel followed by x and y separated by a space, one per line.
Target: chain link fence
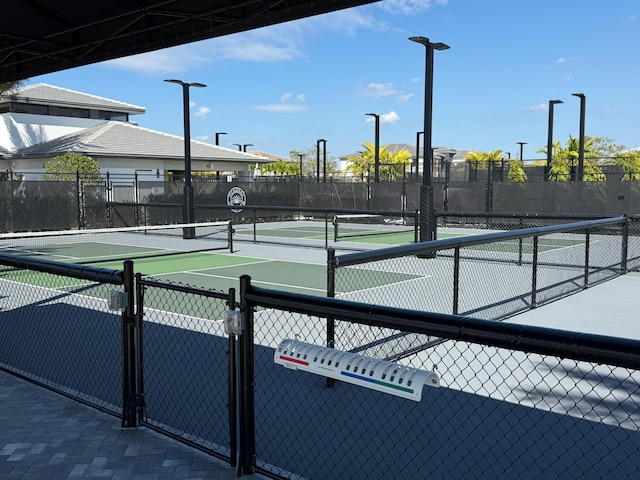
pixel 57 329
pixel 506 406
pixel 491 276
pixel 185 358
pixel 513 401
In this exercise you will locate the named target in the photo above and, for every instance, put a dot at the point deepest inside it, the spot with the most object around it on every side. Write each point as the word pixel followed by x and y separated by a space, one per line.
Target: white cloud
pixel 405 97
pixel 542 107
pixel 282 108
pixel 379 90
pixel 171 60
pixel 275 44
pixel 390 117
pixel 258 47
pixel 631 18
pixel 289 103
pixel 410 7
pixel 202 112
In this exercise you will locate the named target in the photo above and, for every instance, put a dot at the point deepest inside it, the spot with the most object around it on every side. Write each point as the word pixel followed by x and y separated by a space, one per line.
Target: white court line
pixel 386 285
pixel 255 281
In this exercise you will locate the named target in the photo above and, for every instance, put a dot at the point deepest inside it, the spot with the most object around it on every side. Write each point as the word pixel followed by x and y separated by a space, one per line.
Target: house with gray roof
pixel 39 122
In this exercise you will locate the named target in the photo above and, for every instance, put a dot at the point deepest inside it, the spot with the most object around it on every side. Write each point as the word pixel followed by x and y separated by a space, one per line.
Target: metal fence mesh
pixel 186 358
pixel 498 414
pixel 59 332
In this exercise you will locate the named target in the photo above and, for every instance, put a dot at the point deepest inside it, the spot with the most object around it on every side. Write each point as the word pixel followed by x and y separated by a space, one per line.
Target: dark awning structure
pixel 40 36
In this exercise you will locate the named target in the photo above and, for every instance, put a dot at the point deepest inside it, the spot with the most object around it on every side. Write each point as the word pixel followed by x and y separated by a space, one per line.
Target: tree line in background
pixel 598 152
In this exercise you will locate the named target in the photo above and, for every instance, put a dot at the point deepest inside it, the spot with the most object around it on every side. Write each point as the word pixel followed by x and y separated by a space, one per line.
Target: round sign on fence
pixel 236 198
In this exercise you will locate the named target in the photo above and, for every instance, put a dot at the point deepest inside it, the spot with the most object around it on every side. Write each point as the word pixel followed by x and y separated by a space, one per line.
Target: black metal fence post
pixel 129 385
pixel 534 273
pixel 331 293
pixel 139 322
pixel 247 384
pixel 624 246
pixel 233 388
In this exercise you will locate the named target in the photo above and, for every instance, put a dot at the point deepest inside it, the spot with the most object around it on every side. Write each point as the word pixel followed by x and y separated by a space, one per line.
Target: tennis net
pixel 115 244
pixel 389 228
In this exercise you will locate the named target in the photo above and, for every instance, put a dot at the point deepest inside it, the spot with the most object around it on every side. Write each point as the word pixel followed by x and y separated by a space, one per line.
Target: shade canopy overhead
pixel 40 36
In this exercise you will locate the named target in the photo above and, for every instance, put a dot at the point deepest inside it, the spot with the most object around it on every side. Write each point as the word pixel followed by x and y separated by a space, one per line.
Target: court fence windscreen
pixel 513 401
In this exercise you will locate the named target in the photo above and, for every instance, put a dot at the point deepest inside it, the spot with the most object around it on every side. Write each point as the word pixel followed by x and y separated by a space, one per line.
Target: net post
pixel 230 232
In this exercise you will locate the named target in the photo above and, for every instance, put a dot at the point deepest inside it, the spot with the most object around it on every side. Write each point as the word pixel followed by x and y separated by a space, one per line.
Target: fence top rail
pixel 458 242
pixel 83 272
pixel 621 352
pixel 178 287
pixel 542 216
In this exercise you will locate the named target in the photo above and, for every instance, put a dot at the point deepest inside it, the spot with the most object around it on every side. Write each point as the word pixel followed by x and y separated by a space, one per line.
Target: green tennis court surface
pixel 308 232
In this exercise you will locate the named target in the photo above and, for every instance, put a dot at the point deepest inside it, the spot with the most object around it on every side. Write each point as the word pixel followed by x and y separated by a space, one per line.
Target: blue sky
pixel 282 87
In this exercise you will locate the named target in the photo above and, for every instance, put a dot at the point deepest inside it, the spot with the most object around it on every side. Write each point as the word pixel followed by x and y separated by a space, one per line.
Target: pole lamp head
pixel 425 41
pixel 579 95
pixel 185 84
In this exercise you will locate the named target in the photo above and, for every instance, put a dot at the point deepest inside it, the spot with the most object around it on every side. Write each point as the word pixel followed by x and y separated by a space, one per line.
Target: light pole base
pixel 188 213
pixel 427 219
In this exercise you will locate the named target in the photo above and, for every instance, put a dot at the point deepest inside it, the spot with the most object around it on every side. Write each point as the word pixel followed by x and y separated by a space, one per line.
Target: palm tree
pixel 7 88
pixel 564 160
pixel 481 160
pixel 391 163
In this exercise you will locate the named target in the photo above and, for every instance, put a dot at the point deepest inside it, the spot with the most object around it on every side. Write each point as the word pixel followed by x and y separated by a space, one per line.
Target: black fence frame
pixel 578 346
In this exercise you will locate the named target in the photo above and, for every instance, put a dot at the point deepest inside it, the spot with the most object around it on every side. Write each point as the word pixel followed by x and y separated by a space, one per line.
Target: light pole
pixel 547 168
pixel 583 104
pixel 324 156
pixel 427 212
pixel 188 208
pixel 239 145
pixel 418 151
pixel 218 137
pixel 245 145
pixel 522 144
pixel 376 161
pixel 301 156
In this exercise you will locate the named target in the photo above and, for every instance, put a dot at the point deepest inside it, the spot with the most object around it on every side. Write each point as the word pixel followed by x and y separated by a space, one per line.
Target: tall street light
pixel 376 162
pixel 583 104
pixel 218 137
pixel 188 208
pixel 301 156
pixel 522 144
pixel 547 168
pixel 239 145
pixel 245 145
pixel 418 151
pixel 427 212
pixel 324 156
